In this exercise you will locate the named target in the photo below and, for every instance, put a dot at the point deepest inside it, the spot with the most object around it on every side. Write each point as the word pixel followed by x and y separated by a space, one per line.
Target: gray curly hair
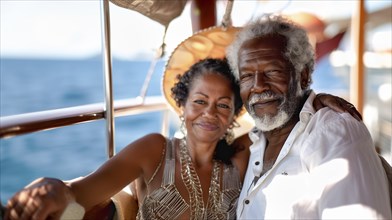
pixel 299 52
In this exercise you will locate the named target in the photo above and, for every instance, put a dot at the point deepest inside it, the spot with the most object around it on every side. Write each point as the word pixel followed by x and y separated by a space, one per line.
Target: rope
pixel 159 54
pixel 226 21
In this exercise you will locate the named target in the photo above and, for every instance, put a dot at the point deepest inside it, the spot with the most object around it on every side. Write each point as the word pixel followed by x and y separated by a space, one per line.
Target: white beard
pixel 286 109
pixel 268 122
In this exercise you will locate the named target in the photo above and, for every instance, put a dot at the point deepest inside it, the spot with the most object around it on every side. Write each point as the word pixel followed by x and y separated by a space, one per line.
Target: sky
pixel 72 29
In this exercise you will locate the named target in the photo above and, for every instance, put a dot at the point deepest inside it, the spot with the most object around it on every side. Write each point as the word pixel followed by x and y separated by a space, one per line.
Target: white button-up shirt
pixel 326 169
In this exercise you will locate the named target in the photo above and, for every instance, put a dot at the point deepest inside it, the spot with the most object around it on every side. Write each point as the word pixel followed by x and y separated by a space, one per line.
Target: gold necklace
pixel 191 180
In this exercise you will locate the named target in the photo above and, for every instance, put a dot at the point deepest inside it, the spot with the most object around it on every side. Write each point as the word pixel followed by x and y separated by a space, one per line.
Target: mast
pixel 203 14
pixel 357 70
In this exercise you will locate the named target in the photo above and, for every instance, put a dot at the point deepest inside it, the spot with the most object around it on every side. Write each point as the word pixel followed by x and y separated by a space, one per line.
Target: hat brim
pixel 207 43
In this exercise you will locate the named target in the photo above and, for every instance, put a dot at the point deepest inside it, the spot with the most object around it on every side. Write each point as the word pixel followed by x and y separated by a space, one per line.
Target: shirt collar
pixel 255 134
pixel 304 116
pixel 308 110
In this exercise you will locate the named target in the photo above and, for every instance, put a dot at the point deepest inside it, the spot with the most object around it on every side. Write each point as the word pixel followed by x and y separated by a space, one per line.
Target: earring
pixel 229 135
pixel 181 132
pixel 183 127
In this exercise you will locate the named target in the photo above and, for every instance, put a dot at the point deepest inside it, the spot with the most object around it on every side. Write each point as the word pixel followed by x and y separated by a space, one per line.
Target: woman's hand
pixel 336 103
pixel 43 198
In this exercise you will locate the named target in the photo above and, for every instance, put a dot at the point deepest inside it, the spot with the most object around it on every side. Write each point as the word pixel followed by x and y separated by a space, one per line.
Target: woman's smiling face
pixel 209 109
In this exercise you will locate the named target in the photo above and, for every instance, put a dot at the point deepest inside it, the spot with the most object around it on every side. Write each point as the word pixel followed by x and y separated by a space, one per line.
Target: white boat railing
pixel 14 125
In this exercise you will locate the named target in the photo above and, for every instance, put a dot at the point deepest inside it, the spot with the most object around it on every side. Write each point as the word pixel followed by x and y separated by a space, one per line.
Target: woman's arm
pixel 48 197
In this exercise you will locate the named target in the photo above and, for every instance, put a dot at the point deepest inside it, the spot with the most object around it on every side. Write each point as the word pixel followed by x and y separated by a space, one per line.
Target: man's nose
pixel 260 83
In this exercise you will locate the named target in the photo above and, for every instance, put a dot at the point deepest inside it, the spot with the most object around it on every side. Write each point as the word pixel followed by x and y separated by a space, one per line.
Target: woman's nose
pixel 211 111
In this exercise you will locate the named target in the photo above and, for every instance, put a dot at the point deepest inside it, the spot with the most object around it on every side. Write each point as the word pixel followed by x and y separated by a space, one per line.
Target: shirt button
pixel 247 201
pixel 257 163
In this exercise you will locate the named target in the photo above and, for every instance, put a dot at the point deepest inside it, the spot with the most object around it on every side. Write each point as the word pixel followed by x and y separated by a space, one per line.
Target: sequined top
pixel 167 203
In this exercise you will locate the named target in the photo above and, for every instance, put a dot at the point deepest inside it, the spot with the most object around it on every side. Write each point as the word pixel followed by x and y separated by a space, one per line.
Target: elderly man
pixel 303 163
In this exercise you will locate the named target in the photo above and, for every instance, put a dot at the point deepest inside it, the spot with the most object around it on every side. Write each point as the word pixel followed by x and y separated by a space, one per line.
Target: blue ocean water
pixel 28 85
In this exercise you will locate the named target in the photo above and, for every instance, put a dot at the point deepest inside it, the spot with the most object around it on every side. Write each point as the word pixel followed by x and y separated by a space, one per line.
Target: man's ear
pixel 305 78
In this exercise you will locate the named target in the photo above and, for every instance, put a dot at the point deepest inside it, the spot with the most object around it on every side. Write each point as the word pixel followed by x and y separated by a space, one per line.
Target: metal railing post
pixel 107 67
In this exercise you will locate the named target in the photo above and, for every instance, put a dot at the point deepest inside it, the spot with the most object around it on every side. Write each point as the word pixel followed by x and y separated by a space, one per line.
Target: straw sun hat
pixel 207 43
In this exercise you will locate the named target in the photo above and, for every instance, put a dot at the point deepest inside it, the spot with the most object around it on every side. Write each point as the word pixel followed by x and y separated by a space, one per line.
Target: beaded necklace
pixel 189 176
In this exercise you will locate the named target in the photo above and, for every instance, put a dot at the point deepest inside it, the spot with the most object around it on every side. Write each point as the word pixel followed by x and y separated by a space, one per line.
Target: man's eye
pixel 274 72
pixel 246 75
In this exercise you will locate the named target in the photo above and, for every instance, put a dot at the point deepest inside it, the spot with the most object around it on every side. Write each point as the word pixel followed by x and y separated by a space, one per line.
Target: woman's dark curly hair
pixel 180 93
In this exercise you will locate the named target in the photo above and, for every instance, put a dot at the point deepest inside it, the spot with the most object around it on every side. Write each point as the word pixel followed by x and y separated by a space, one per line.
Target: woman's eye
pixel 224 106
pixel 199 102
